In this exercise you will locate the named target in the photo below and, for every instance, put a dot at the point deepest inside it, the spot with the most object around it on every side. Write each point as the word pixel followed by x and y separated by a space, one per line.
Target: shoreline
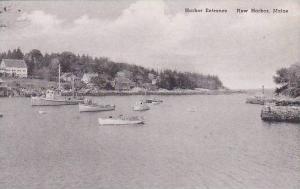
pixel 162 93
pixel 34 87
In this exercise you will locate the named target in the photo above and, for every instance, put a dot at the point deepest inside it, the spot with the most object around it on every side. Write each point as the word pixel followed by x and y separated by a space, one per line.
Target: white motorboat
pixel 120 121
pixel 153 101
pixel 141 106
pixel 42 112
pixel 89 106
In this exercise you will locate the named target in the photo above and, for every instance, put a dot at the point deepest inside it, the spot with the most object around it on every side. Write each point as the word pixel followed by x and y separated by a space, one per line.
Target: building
pixel 121 84
pixel 68 77
pixel 124 74
pixel 150 86
pixel 13 68
pixel 86 78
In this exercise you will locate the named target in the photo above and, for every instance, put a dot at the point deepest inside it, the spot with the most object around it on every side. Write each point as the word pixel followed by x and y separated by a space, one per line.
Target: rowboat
pixel 120 121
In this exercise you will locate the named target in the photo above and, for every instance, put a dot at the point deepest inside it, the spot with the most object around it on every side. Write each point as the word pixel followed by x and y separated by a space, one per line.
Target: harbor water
pixel 198 141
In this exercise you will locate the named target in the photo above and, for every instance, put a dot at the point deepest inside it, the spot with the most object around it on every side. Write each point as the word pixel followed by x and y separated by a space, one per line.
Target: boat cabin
pixel 50 94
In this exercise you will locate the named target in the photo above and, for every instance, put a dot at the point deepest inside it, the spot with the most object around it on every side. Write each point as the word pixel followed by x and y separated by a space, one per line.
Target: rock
pixel 281 113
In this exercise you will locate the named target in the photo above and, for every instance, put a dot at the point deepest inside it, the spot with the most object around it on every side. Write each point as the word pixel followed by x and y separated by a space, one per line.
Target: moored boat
pixel 153 101
pixel 141 106
pixel 120 121
pixel 42 112
pixel 89 106
pixel 53 99
pixel 256 100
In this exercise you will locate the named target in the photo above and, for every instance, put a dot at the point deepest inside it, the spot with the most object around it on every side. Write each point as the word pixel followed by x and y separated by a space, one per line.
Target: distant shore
pixel 34 87
pixel 159 92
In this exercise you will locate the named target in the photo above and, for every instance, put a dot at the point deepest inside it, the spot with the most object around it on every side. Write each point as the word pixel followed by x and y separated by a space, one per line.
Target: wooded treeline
pixel 45 66
pixel 289 80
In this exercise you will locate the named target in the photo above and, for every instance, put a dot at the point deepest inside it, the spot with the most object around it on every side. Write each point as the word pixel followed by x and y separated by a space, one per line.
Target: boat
pixel 141 106
pixel 42 112
pixel 120 121
pixel 258 98
pixel 54 97
pixel 89 106
pixel 1 115
pixel 153 101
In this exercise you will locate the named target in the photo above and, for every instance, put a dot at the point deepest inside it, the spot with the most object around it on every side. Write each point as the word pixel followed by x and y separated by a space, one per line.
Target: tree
pixel 288 80
pixel 98 81
pixel 17 54
pixel 34 60
pixel 46 66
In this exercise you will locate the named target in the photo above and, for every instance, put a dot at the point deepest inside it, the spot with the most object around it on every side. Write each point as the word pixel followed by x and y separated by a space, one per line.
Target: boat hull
pixel 141 108
pixel 40 101
pixel 119 122
pixel 95 108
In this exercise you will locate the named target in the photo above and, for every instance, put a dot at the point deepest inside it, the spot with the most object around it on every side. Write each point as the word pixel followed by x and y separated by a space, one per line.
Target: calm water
pixel 224 144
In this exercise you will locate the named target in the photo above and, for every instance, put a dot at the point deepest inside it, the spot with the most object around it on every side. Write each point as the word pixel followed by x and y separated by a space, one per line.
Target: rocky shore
pixel 277 109
pixel 281 113
pixel 32 87
pixel 35 92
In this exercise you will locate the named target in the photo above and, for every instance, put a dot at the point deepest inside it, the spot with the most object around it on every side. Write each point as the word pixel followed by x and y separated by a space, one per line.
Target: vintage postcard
pixel 153 94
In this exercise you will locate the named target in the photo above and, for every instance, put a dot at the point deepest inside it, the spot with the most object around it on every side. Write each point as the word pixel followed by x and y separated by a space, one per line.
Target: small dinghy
pixel 141 106
pixel 120 121
pixel 89 106
pixel 1 115
pixel 42 112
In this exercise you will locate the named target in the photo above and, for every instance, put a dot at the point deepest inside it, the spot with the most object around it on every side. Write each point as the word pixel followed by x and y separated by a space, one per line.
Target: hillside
pixel 45 66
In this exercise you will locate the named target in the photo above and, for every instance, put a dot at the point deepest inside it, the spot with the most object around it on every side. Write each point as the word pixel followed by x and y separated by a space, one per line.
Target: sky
pixel 244 50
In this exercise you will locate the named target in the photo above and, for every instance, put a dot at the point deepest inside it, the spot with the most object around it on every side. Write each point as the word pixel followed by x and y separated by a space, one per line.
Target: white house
pixel 13 67
pixel 69 77
pixel 86 78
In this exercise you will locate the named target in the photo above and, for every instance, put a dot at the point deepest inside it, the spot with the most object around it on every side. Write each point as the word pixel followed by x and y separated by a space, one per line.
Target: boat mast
pixel 59 77
pixel 73 85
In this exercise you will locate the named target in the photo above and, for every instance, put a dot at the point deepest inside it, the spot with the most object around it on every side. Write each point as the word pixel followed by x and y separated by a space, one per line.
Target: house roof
pixel 14 63
pixel 68 74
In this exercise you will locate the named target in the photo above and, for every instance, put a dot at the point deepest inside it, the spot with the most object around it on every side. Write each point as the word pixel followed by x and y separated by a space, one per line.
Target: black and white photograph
pixel 149 94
